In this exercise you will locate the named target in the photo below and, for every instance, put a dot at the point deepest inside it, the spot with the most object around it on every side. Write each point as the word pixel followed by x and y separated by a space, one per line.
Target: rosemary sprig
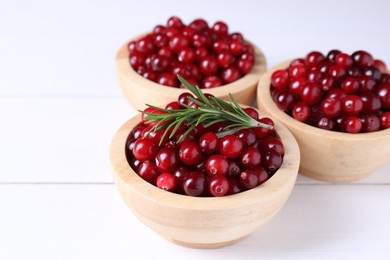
pixel 210 111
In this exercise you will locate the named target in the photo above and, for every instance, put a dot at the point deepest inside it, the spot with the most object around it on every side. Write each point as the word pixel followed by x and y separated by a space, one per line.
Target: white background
pixel 60 104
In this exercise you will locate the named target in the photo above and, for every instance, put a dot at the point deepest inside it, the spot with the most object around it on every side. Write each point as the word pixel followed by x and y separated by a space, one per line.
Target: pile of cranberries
pixel 203 164
pixel 206 57
pixel 339 92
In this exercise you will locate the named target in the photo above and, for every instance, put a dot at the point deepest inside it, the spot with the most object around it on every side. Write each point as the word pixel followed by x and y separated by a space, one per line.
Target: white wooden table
pixel 60 105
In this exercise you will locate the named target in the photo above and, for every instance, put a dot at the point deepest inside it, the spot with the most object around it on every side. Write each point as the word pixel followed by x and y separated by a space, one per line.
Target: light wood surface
pixel 328 155
pixel 140 91
pixel 203 222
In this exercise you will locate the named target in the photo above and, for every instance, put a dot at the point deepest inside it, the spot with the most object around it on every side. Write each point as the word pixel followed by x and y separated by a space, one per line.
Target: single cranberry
pixel 137 60
pixel 313 58
pixel 160 63
pixel 236 36
pixel 372 72
pixel 385 78
pixel 166 52
pixel 179 174
pixel 194 184
pixel 150 75
pixel 175 22
pixel 248 179
pixel 336 93
pixel 145 45
pixel 298 61
pixel 323 67
pixel 195 71
pixel 230 74
pixel 327 83
pixel 371 102
pixel 219 127
pixel 331 107
pixel 144 149
pixel 252 112
pixel 326 123
pixel 385 120
pixel 233 169
pixel 168 79
pixel 230 146
pixel 218 185
pixel 271 161
pixel 220 46
pixel 167 160
pixel 155 136
pixel 381 66
pixel 166 181
pixel 383 92
pixel 314 76
pixel 340 123
pixel 362 59
pixel 148 110
pixel 353 124
pixel 366 83
pixel 199 25
pixel 332 54
pixel 131 47
pixel 220 28
pixel 296 85
pixel 247 136
pixel 225 59
pixel 284 99
pixel 237 47
pixel 352 105
pixel 262 175
pixel 235 186
pixel 350 85
pixel 261 132
pixel 160 40
pixel 271 144
pixel 250 157
pixel 135 164
pixel 129 147
pixel 136 132
pixel 354 72
pixel 343 60
pixel 244 66
pixel 370 123
pixel 183 98
pixel 149 172
pixel 248 57
pixel 190 153
pixel 172 32
pixel 174 105
pixel 186 55
pixel 301 112
pixel 208 143
pixel 199 40
pixel 178 42
pixel 337 72
pixel 311 93
pixel 217 164
pixel 208 66
pixel 280 79
pixel 201 53
pixel 188 32
pixel 297 71
pixel 212 82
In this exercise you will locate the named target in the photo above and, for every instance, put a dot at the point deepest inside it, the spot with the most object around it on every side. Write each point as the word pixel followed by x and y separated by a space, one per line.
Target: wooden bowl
pixel 328 155
pixel 203 222
pixel 140 91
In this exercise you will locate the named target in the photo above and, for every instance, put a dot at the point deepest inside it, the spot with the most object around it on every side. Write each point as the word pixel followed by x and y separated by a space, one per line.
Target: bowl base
pixel 332 178
pixel 204 245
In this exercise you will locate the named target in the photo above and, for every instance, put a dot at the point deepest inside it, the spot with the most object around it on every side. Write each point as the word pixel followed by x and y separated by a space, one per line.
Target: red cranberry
pixel 233 169
pixel 217 164
pixel 271 161
pixel 314 76
pixel 208 66
pixel 132 47
pixel 160 63
pixel 370 123
pixel 236 47
pixel 218 185
pixel 220 46
pixel 247 136
pixel 326 123
pixel 296 85
pixel 190 153
pixel 385 78
pixel 245 66
pixel 199 25
pixel 248 179
pixel 150 75
pixel 194 184
pixel 284 99
pixel 225 59
pixel 174 105
pixel 180 69
pixel 385 120
pixel 175 22
pixel 145 45
pixel 352 105
pixel 331 107
pixel 297 71
pixel 160 40
pixel 172 32
pixel 383 92
pixel 235 186
pixel 343 60
pixel 353 124
pixel 272 144
pixel 167 160
pixel 261 132
pixel 380 65
pixel 220 28
pixel 365 83
pixel 313 58
pixel 250 157
pixel 179 174
pixel 332 54
pixel 362 59
pixel 252 112
pixel 195 71
pixel 144 149
pixel 371 102
pixel 199 40
pixel 353 72
pixel 280 79
pixel 262 175
pixel 327 83
pixel 230 74
pixel 183 98
pixel 188 32
pixel 208 143
pixel 337 72
pixel 350 85
pixel 168 79
pixel 166 52
pixel 178 43
pixel 336 93
pixel 135 164
pixel 301 112
pixel 212 82
pixel 230 146
pixel 166 181
pixel 137 60
pixel 311 93
pixel 186 55
pixel 372 72
pixel 148 171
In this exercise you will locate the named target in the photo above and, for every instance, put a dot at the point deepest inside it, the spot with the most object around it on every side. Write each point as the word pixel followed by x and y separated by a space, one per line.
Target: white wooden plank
pixel 91 222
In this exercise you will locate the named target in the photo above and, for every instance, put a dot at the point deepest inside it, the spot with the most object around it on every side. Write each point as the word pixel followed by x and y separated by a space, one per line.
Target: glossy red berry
pixel 244 66
pixel 370 123
pixel 385 120
pixel 208 143
pixel 353 124
pixel 381 66
pixel 149 172
pixel 137 60
pixel 271 144
pixel 352 105
pixel 190 153
pixel 179 174
pixel 301 112
pixel 383 92
pixel 250 157
pixel 168 79
pixel 343 60
pixel 271 161
pixel 284 99
pixel 252 112
pixel 313 58
pixel 218 185
pixel 350 85
pixel 212 82
pixel 166 181
pixel 237 47
pixel 362 59
pixel 225 59
pixel 247 136
pixel 194 184
pixel 248 178
pixel 331 107
pixel 311 93
pixel 261 132
pixel 220 28
pixel 261 174
pixel 217 165
pixel 230 75
pixel 371 102
pixel 230 146
pixel 280 79
pixel 208 66
pixel 144 149
pixel 175 22
pixel 234 168
pixel 186 55
pixel 167 160
pixel 199 25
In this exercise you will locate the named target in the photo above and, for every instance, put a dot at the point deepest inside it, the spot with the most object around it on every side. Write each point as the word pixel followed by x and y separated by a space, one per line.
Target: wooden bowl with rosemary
pixel 140 91
pixel 204 222
pixel 328 155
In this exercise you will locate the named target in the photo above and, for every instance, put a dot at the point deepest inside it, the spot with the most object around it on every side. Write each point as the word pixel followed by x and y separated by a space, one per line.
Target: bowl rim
pixel 264 99
pixel 125 70
pixel 283 180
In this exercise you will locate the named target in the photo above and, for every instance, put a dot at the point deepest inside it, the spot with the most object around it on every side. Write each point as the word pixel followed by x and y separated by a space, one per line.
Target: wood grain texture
pixel 203 222
pixel 140 91
pixel 328 155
